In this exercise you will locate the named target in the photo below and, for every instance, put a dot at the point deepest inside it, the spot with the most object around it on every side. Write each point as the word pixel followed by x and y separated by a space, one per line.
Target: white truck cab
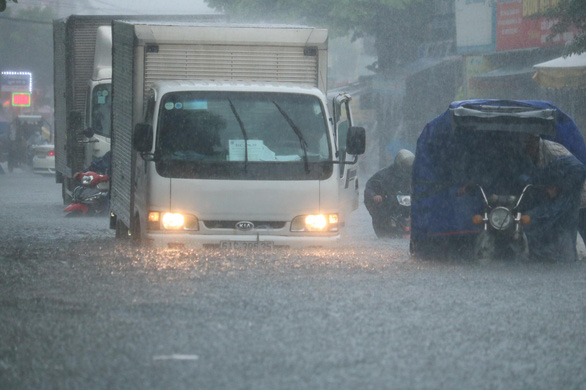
pixel 234 163
pixel 98 114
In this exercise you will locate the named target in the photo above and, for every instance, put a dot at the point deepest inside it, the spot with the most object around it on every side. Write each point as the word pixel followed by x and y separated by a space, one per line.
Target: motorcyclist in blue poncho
pixel 555 215
pixel 502 146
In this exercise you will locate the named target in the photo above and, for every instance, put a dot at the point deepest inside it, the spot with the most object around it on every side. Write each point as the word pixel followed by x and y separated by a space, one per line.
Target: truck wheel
pixel 121 230
pixel 135 232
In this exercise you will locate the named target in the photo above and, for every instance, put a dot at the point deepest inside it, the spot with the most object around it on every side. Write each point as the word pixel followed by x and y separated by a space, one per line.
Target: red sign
pixel 515 28
pixel 21 99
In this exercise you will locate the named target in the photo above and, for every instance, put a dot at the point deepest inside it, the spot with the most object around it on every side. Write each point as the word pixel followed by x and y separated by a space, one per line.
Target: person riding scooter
pixel 381 190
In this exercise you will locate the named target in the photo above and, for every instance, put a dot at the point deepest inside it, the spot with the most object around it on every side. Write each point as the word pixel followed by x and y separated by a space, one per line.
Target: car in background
pixel 44 159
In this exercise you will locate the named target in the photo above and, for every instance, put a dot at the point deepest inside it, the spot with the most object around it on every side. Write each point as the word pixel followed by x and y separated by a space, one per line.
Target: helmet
pixel 404 160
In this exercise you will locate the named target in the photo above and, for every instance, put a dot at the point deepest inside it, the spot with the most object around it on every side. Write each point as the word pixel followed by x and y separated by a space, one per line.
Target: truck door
pixel 98 118
pixel 348 183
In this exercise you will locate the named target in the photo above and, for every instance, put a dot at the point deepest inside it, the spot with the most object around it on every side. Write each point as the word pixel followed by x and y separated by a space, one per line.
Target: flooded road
pixel 81 310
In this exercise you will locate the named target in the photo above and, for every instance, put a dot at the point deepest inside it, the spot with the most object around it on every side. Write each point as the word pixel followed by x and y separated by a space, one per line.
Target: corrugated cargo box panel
pixel 122 113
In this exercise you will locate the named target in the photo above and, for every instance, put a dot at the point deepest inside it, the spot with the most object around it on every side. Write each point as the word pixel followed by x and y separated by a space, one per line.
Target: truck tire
pixel 135 232
pixel 66 197
pixel 121 230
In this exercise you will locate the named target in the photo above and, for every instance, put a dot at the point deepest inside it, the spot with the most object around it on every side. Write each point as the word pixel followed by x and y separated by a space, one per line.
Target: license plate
pixel 246 244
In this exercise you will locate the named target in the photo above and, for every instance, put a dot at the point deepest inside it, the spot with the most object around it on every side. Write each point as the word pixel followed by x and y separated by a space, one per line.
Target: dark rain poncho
pixel 554 222
pixel 388 183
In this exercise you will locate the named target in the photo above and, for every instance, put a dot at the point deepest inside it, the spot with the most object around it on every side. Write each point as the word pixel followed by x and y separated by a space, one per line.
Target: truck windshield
pixel 101 109
pixel 202 126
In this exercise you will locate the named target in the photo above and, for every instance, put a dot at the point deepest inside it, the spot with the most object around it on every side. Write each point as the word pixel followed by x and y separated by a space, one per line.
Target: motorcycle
pixel 502 234
pixel 398 223
pixel 91 196
pixel 401 217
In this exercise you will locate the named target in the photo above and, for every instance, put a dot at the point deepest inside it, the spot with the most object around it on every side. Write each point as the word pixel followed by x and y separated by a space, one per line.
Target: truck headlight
pixel 172 221
pixel 315 223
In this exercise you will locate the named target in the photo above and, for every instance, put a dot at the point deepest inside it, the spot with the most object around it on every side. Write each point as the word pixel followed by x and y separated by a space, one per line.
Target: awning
pixel 562 72
pixel 508 76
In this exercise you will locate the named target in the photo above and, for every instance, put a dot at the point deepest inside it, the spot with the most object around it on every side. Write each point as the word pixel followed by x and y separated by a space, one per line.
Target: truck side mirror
pixel 356 140
pixel 143 137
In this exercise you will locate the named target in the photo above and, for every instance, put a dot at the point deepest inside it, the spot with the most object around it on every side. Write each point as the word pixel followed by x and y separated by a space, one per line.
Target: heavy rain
pixel 292 195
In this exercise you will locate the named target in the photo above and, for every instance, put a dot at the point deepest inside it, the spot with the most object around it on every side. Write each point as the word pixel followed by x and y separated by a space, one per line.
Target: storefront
pixel 563 81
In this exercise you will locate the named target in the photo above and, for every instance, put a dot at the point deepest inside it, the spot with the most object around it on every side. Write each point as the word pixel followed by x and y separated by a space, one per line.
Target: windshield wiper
pixel 298 133
pixel 243 133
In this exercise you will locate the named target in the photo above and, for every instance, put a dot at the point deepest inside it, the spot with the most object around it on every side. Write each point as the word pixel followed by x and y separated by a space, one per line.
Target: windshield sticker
pixel 179 105
pixel 257 151
pixel 102 96
pixel 169 106
pixel 196 105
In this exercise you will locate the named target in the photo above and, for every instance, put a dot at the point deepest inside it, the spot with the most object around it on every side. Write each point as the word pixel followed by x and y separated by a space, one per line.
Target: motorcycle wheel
pixel 484 247
pixel 74 214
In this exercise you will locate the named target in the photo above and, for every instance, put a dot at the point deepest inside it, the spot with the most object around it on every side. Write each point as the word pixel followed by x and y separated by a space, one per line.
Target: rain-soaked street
pixel 82 311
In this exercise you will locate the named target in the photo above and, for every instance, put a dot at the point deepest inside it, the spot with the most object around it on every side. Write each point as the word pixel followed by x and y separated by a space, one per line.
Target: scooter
pixel 401 217
pixel 502 223
pixel 398 224
pixel 91 196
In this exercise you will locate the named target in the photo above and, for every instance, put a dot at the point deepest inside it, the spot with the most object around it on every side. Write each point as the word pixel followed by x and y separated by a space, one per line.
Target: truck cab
pixel 98 116
pixel 235 164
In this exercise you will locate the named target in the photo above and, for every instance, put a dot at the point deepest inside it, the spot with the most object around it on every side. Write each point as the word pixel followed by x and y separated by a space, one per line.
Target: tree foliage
pixel 3 4
pixel 397 25
pixel 26 42
pixel 569 16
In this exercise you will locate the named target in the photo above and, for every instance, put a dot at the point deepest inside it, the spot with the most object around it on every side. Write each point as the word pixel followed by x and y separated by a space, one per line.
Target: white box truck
pixel 82 70
pixel 83 89
pixel 222 137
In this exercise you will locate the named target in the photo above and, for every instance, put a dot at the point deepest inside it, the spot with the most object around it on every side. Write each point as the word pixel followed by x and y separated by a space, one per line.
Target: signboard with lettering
pixel 516 29
pixel 475 26
pixel 16 82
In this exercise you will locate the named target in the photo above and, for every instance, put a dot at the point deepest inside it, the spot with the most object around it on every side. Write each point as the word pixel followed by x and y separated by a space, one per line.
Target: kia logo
pixel 244 226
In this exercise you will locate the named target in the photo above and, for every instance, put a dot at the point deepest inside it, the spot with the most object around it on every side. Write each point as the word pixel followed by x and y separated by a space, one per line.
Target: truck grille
pixel 258 225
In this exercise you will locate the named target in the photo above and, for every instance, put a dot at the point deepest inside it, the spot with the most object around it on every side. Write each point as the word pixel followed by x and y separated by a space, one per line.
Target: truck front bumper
pixel 195 241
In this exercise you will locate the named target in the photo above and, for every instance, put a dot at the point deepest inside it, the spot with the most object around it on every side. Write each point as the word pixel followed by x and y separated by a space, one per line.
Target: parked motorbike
pixel 502 235
pixel 90 196
pixel 401 217
pixel 398 223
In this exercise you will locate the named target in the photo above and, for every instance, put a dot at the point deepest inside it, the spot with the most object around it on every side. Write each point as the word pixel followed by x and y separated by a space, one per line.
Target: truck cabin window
pixel 213 127
pixel 101 109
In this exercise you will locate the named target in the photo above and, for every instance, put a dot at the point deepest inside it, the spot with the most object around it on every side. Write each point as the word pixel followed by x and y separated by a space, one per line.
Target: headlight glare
pixel 173 221
pixel 315 223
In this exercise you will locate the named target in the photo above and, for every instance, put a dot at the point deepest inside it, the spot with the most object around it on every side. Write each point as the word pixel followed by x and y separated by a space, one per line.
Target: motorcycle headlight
pixel 87 180
pixel 315 223
pixel 500 218
pixel 404 200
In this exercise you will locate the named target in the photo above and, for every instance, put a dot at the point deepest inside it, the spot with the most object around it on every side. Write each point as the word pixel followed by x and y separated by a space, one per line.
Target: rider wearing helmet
pixel 381 190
